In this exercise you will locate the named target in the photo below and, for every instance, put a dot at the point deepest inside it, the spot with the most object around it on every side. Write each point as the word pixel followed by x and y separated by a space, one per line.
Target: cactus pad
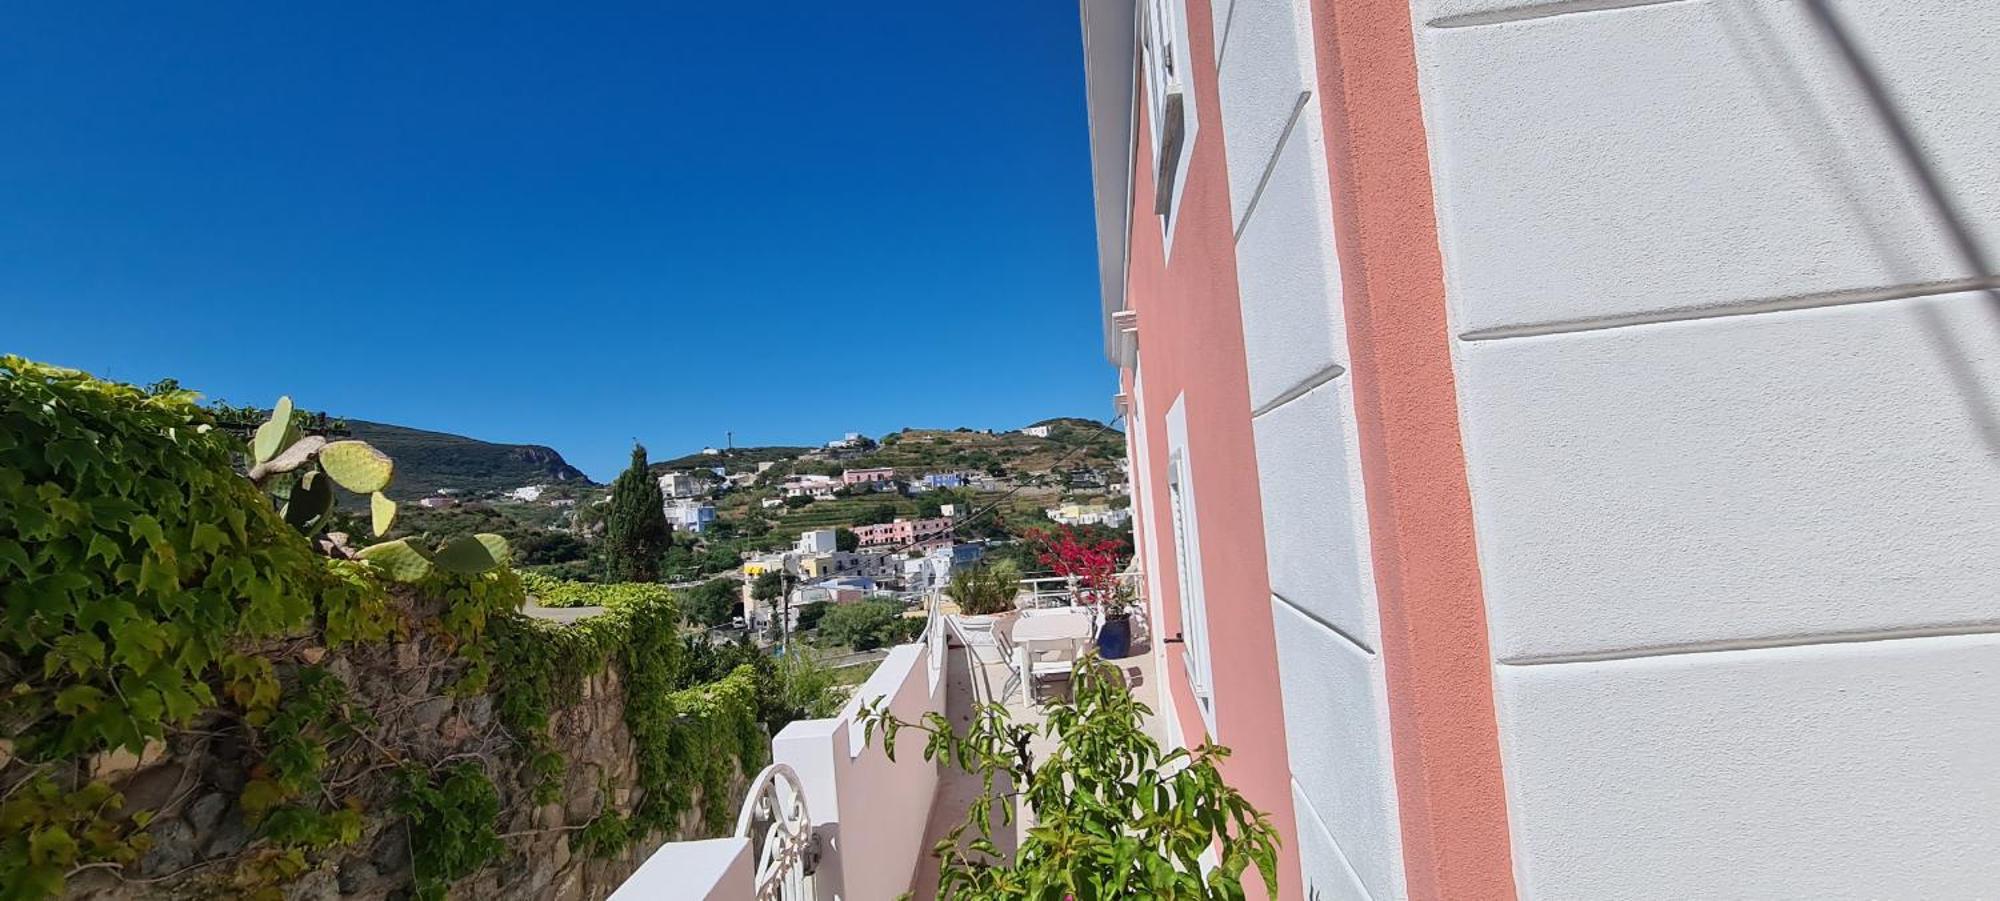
pixel 384 511
pixel 357 466
pixel 271 436
pixel 469 554
pixel 310 501
pixel 398 559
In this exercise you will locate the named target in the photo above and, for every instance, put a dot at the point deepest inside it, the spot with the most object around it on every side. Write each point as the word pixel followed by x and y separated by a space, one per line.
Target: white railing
pixel 780 829
pixel 832 816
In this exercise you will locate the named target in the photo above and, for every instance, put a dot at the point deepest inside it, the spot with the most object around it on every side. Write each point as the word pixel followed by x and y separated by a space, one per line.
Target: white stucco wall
pixel 870 811
pixel 1324 610
pixel 1732 423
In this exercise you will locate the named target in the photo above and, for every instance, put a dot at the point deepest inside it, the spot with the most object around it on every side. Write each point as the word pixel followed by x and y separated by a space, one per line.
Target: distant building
pixel 906 533
pixel 851 439
pixel 682 484
pixel 528 493
pixel 817 541
pixel 689 515
pixel 811 485
pixel 944 480
pixel 770 502
pixel 1090 515
pixel 710 451
pixel 1038 431
pixel 867 476
pixel 934 568
pixel 438 501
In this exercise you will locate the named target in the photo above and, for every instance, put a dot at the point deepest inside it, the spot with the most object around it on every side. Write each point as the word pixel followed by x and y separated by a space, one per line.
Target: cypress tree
pixel 635 526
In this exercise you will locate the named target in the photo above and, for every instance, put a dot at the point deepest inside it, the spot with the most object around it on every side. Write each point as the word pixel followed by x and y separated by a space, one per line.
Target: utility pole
pixel 785 615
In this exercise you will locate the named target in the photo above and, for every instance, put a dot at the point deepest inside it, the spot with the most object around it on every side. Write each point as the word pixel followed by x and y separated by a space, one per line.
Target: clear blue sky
pixel 565 224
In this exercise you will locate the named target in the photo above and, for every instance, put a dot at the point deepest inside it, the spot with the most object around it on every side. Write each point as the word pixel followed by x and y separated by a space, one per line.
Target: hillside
pixel 427 461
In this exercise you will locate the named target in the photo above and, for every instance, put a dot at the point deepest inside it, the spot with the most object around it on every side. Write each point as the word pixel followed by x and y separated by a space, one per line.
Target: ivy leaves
pixel 131 555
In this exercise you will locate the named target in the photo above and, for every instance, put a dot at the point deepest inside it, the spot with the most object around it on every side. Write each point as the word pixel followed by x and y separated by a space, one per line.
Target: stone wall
pixel 202 842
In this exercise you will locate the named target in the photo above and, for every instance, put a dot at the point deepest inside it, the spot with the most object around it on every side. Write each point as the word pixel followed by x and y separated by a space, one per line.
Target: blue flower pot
pixel 1114 639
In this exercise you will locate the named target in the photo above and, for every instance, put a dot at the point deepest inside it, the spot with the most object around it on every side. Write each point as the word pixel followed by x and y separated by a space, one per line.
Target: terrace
pixel 833 817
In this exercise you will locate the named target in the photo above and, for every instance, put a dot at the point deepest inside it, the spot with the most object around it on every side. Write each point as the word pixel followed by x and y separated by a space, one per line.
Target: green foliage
pixel 864 625
pixel 467 605
pixel 695 725
pixel 769 586
pixel 876 515
pixel 541 667
pixel 1114 816
pixel 701 737
pixel 143 578
pixel 985 590
pixel 713 602
pixel 844 539
pixel 131 557
pixel 46 832
pixel 605 835
pixel 315 713
pixel 552 592
pixel 636 532
pixel 452 816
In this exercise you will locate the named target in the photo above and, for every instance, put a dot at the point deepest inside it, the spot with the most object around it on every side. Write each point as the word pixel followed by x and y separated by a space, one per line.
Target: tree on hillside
pixel 876 515
pixel 636 533
pixel 844 539
pixel 865 625
pixel 713 602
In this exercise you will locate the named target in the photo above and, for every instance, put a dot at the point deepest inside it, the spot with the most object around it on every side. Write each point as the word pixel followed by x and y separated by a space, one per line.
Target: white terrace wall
pixel 869 810
pixel 1730 389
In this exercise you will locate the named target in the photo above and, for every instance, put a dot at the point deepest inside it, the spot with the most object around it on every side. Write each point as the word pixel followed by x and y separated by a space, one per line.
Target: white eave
pixel 1110 37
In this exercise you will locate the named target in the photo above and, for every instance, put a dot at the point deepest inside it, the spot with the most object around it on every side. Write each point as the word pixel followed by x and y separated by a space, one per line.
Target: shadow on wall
pixel 1841 159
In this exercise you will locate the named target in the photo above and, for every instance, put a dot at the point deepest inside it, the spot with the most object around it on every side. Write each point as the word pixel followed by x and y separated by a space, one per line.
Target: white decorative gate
pixel 782 842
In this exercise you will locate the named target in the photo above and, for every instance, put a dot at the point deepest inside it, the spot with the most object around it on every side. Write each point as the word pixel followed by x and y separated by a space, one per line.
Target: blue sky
pixel 572 225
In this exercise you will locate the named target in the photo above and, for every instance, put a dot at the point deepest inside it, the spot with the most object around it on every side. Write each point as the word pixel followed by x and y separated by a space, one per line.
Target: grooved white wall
pixel 1315 525
pixel 1731 409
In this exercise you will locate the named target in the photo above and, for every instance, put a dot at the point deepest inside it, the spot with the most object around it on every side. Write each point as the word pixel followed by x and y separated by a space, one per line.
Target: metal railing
pixel 782 840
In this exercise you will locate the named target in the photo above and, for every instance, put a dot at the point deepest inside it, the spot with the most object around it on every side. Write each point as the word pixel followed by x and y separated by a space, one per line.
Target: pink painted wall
pixel 1191 346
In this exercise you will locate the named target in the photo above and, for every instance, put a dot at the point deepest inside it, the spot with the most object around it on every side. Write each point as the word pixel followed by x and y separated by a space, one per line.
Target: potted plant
pixel 984 594
pixel 1092 569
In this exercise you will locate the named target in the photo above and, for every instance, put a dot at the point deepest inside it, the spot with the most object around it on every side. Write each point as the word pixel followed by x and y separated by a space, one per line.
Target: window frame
pixel 1184 519
pixel 1170 105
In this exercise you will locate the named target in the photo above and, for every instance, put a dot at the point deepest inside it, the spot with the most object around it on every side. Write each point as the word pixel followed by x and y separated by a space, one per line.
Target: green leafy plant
pixel 985 590
pixel 453 816
pixel 133 559
pixel 46 832
pixel 1113 816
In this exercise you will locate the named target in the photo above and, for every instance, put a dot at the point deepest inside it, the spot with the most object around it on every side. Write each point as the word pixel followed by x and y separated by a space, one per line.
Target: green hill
pixel 427 461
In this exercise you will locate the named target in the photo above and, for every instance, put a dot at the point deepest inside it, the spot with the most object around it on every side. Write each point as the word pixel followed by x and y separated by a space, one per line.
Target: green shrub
pixel 1115 815
pixel 865 625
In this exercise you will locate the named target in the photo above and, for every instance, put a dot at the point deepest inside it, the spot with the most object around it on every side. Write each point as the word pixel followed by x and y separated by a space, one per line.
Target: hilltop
pixel 427 461
pixel 1071 443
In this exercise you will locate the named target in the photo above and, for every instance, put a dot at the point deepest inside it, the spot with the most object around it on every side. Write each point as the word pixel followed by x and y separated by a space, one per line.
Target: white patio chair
pixel 1041 660
pixel 985 646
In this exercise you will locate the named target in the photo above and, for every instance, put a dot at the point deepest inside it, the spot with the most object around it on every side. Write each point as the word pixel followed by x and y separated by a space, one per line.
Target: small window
pixel 1170 108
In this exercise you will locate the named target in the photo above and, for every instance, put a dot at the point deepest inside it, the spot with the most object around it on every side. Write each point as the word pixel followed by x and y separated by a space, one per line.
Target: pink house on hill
pixel 906 532
pixel 866 476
